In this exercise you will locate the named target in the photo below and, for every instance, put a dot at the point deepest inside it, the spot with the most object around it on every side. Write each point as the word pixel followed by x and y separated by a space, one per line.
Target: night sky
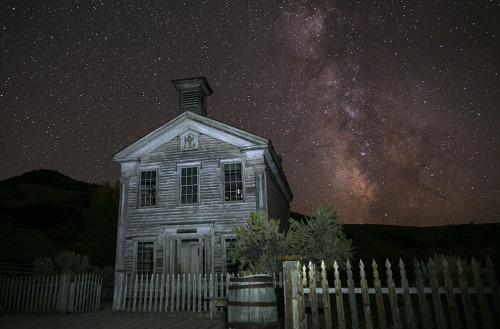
pixel 387 109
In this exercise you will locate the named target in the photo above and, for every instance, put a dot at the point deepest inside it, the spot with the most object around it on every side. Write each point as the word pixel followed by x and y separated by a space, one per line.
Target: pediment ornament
pixel 189 141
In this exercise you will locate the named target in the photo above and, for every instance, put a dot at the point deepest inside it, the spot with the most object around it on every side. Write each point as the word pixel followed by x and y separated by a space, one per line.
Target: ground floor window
pixel 145 258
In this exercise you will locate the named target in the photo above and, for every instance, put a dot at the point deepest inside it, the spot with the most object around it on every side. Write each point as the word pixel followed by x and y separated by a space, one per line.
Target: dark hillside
pixel 45 200
pixel 381 242
pixel 62 208
pixel 48 178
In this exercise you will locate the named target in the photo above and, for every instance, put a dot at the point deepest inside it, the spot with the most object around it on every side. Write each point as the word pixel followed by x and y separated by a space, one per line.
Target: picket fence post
pixel 483 314
pixel 326 297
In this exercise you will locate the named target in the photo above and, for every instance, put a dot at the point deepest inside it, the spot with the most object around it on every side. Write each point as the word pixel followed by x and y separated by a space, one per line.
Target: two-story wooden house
pixel 185 186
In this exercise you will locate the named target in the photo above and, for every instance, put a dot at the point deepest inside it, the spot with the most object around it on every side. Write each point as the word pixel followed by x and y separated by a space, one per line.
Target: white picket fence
pixel 58 293
pixel 171 293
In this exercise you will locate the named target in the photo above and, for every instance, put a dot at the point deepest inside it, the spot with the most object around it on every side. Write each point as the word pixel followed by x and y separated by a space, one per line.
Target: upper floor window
pixel 189 185
pixel 148 188
pixel 145 258
pixel 233 182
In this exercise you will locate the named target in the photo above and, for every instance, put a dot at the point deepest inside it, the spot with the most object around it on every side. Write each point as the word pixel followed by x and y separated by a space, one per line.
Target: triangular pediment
pixel 188 125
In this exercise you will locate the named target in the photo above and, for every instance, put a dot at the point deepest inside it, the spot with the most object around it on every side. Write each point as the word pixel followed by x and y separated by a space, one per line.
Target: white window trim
pixel 136 244
pixel 181 166
pixel 223 179
pixel 151 167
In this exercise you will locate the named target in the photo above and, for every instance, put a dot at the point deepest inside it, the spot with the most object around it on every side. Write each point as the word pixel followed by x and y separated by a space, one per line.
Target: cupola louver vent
pixel 192 94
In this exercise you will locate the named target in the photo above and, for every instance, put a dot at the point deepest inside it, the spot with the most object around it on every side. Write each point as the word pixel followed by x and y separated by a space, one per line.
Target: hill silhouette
pixel 72 214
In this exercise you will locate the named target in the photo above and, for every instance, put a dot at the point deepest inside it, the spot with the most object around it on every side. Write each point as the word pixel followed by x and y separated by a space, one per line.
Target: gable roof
pixel 183 122
pixel 188 120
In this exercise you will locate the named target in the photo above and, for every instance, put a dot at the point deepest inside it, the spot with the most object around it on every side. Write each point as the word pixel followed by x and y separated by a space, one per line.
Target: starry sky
pixel 387 109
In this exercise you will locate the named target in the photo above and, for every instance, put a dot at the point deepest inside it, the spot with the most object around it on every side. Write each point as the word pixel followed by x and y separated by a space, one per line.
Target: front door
pixel 190 256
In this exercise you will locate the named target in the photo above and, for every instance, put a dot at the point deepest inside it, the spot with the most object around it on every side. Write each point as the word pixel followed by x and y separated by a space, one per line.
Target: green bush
pixel 320 238
pixel 259 242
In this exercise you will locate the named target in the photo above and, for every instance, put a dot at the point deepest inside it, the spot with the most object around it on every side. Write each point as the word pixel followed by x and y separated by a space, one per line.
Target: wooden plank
pixel 178 293
pixel 123 287
pixel 314 297
pixel 195 290
pixel 162 293
pixel 436 299
pixel 378 296
pixel 495 290
pixel 199 292
pixel 131 295
pixel 167 293
pixel 338 297
pixel 172 293
pixel 56 292
pixel 326 297
pixel 205 290
pixel 18 293
pixel 141 299
pixel 365 297
pixel 410 318
pixel 481 299
pixel 352 297
pixel 33 294
pixel 450 296
pixel 422 301
pixel 10 294
pixel 151 291
pixel 189 284
pixel 288 298
pixel 464 292
pixel 301 282
pixel 135 293
pixel 156 292
pixel 392 296
pixel 183 292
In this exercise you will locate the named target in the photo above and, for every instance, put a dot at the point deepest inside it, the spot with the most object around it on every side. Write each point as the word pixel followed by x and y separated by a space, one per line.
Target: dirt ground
pixel 109 320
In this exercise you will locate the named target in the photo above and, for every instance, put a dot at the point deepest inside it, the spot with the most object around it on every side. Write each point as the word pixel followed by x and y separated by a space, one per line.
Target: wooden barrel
pixel 251 303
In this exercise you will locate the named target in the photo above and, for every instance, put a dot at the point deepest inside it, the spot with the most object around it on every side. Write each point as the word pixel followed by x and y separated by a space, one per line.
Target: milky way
pixel 388 110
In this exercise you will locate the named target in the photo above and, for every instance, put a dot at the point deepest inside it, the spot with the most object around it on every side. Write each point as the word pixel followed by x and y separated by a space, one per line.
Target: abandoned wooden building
pixel 185 185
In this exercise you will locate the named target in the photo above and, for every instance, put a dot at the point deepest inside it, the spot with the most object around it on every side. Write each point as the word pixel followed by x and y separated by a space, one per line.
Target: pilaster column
pixel 261 188
pixel 120 232
pixel 120 245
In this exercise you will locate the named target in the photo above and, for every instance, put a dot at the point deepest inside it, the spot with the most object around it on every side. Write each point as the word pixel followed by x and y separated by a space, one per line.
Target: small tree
pixel 258 243
pixel 320 238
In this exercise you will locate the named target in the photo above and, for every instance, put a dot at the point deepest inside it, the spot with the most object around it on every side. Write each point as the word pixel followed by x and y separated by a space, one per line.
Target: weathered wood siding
pixel 278 207
pixel 149 224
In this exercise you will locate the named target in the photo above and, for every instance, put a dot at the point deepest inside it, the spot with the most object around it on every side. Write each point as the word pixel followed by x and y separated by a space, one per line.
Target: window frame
pixel 137 244
pixel 140 189
pixel 180 168
pixel 223 180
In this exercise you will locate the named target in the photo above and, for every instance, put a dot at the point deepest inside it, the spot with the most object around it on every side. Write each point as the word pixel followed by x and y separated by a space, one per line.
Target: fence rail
pixel 58 293
pixel 420 306
pixel 171 293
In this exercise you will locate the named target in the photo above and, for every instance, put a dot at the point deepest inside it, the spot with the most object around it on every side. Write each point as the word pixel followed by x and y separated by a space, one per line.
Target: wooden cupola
pixel 193 94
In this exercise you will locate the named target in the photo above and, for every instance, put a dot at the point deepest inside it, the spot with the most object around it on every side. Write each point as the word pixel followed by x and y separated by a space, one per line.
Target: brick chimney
pixel 193 94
